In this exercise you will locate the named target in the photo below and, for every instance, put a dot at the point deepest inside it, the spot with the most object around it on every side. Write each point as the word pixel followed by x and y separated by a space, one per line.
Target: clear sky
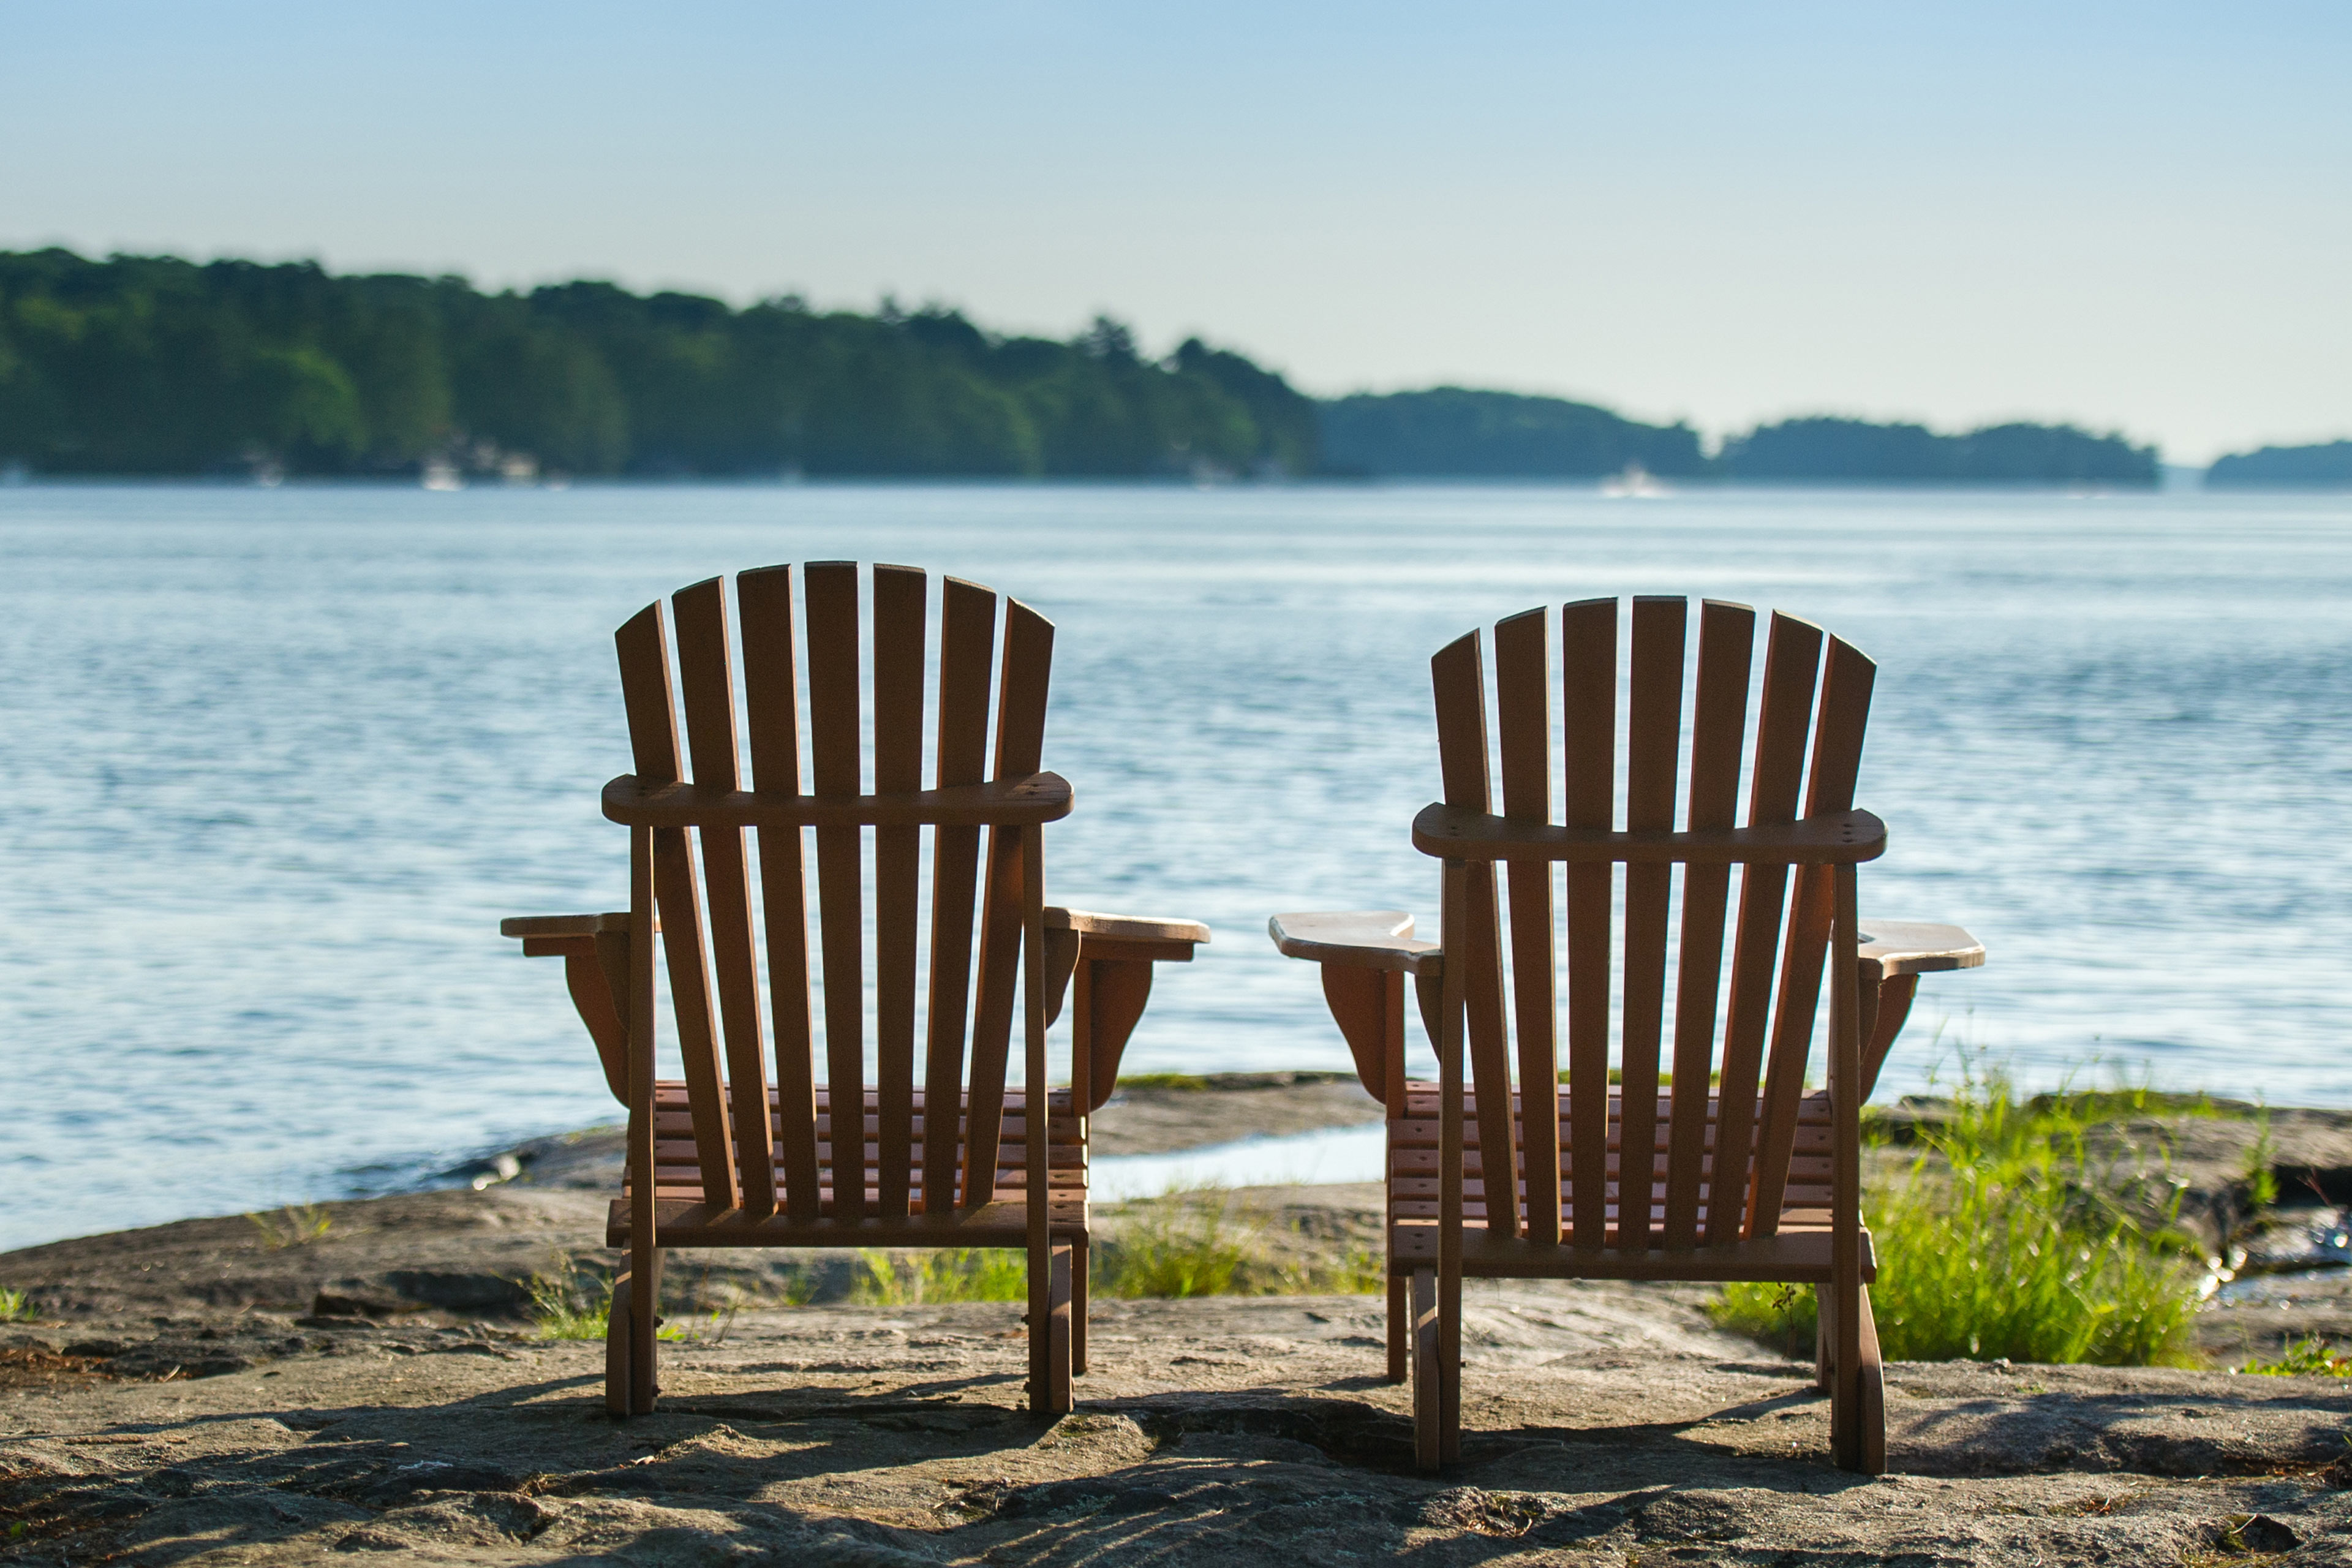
pixel 2137 217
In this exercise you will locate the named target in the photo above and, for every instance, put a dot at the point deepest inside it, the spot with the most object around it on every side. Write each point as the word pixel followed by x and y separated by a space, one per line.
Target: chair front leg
pixel 1843 1316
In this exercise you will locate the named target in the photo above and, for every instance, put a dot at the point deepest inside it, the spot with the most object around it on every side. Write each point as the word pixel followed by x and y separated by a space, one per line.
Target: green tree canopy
pixel 150 365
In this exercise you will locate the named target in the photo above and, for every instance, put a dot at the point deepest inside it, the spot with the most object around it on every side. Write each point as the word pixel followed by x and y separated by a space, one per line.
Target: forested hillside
pixel 153 365
pixel 2326 467
pixel 1450 431
pixel 160 366
pixel 1854 451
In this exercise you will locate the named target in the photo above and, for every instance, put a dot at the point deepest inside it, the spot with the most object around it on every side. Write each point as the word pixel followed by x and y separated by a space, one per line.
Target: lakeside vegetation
pixel 1452 432
pixel 1856 451
pixel 2013 1231
pixel 158 367
pixel 2325 467
pixel 154 365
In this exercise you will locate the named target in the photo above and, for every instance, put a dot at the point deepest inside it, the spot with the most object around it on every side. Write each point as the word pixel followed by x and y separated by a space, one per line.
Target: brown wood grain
pixel 771 719
pixel 900 601
pixel 1475 941
pixel 1522 722
pixel 1026 668
pixel 967 646
pixel 1653 734
pixel 1726 637
pixel 707 682
pixel 829 589
pixel 1783 718
pixel 647 693
pixel 1588 673
pixel 1844 709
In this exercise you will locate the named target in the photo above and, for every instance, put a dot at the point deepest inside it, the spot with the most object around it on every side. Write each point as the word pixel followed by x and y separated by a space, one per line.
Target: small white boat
pixel 1633 484
pixel 440 474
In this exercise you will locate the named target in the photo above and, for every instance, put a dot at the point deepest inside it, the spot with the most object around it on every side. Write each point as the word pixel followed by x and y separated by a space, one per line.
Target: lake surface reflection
pixel 277 762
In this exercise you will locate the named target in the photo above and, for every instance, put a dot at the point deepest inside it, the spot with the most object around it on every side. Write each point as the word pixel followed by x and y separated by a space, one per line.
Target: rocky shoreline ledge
pixel 193 1393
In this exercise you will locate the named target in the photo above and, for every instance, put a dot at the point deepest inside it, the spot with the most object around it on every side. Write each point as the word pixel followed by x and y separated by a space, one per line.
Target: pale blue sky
pixel 2132 216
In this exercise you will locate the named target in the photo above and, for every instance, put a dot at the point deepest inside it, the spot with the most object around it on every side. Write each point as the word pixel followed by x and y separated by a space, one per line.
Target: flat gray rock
pixel 1607 1424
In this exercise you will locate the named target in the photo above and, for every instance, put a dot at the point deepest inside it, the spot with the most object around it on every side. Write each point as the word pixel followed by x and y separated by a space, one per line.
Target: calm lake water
pixel 278 760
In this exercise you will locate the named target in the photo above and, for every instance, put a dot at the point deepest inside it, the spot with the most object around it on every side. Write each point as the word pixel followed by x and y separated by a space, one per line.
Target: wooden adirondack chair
pixel 1747 1174
pixel 725 1158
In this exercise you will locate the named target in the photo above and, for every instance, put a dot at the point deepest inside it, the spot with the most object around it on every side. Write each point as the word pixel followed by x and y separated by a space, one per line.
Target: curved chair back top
pixel 1696 1167
pixel 989 662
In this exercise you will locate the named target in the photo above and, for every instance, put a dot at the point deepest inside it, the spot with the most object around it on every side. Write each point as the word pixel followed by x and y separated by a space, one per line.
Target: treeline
pixel 1449 432
pixel 151 366
pixel 154 365
pixel 1854 451
pixel 2325 467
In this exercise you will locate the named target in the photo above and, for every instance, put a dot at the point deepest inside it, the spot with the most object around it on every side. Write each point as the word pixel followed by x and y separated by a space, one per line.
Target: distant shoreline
pixel 1572 482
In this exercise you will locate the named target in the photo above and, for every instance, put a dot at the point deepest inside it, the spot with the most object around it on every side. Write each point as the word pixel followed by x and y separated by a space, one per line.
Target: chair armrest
pixel 595 953
pixel 1125 928
pixel 1120 953
pixel 528 926
pixel 1917 947
pixel 1356 939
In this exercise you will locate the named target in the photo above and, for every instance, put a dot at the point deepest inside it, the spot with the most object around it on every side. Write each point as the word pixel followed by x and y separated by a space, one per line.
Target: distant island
pixel 154 365
pixel 2326 467
pixel 1451 432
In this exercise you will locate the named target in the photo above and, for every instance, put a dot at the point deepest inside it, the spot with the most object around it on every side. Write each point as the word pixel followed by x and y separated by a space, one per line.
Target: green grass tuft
pixel 564 1307
pixel 1781 1316
pixel 2309 1357
pixel 293 1225
pixel 15 1309
pixel 1195 1242
pixel 941 1274
pixel 1162 1080
pixel 2006 1238
pixel 1187 1244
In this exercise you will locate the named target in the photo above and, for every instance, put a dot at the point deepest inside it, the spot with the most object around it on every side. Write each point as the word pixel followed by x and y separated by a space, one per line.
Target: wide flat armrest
pixel 1459 833
pixel 1917 947
pixel 563 925
pixel 1125 928
pixel 1356 939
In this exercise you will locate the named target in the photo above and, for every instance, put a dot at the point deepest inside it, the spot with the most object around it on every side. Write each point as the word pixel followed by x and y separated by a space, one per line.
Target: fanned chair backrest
pixel 1720 1170
pixel 822 1152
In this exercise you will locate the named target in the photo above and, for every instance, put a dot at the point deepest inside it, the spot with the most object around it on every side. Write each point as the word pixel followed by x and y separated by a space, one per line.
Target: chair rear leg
pixel 1399 1326
pixel 1056 1397
pixel 1078 1307
pixel 1428 1377
pixel 1823 1339
pixel 1849 1442
pixel 617 1345
pixel 626 1392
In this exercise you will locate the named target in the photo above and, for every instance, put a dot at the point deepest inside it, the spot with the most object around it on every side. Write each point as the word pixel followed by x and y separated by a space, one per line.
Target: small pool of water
pixel 1302 1159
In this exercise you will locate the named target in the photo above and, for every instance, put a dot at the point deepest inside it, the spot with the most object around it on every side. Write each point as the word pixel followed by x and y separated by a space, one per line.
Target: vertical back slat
pixel 1474 950
pixel 1523 713
pixel 1588 676
pixel 1726 637
pixel 772 719
pixel 1784 714
pixel 1837 759
pixel 653 740
pixel 1020 748
pixel 899 593
pixel 830 589
pixel 967 638
pixel 707 682
pixel 1653 737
